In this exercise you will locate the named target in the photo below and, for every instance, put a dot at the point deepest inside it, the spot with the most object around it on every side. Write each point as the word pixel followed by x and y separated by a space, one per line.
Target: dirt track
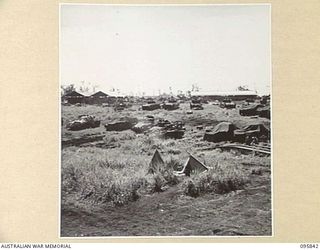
pixel 245 212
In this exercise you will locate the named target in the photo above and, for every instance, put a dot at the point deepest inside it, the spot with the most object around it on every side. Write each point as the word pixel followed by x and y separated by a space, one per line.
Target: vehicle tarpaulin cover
pixel 250 110
pixel 222 132
pixel 255 129
pixel 264 112
pixel 84 122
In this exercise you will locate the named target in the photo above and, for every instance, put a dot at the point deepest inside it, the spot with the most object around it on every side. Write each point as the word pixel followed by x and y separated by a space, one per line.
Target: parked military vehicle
pixel 151 105
pixel 196 104
pixel 174 130
pixel 221 132
pixel 170 106
pixel 250 110
pixel 256 129
pixel 228 104
pixel 83 122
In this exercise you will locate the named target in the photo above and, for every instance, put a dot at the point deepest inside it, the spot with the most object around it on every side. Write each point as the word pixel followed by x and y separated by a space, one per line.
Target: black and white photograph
pixel 165 120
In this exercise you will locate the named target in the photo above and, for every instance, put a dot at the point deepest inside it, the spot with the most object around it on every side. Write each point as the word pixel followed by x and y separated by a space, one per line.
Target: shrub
pixel 69 180
pixel 117 137
pixel 122 192
pixel 174 164
pixel 216 180
pixel 174 151
pixel 170 177
pixel 95 177
pixel 156 183
pixel 117 190
pixel 162 175
pixel 190 188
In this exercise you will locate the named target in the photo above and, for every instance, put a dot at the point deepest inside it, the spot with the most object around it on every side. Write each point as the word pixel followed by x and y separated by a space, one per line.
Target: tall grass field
pixel 107 188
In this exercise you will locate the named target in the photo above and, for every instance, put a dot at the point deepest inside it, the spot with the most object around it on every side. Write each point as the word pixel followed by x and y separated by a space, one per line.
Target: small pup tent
pixel 156 163
pixel 193 166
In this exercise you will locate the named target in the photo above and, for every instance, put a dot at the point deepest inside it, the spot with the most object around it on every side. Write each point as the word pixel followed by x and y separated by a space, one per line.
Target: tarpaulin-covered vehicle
pixel 257 130
pixel 228 104
pixel 250 110
pixel 151 106
pixel 222 132
pixel 121 124
pixel 83 122
pixel 170 106
pixel 264 112
pixel 174 130
pixel 196 104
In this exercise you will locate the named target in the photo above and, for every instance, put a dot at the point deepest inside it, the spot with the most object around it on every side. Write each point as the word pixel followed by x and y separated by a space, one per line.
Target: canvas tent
pixel 193 166
pixel 222 132
pixel 155 163
pixel 256 129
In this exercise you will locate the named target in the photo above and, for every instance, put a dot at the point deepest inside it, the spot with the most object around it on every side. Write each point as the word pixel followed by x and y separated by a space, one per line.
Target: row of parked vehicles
pixel 249 108
pixel 152 105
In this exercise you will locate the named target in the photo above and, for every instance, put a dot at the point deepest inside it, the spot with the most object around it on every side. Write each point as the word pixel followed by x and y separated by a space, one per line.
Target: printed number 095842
pixel 308 246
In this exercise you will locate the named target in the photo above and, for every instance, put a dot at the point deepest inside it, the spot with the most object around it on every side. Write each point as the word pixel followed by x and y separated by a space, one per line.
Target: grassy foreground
pixel 107 191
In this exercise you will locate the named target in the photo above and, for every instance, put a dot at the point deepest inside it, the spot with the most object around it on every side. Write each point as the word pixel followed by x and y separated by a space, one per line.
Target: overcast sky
pixel 151 48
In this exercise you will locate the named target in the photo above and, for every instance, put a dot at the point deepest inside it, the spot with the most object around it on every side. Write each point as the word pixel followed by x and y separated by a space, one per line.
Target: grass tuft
pixel 218 180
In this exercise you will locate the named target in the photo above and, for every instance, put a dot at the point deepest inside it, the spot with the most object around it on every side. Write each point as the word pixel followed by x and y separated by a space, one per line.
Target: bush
pixel 174 164
pixel 162 175
pixel 121 193
pixel 96 177
pixel 69 180
pixel 117 137
pixel 215 180
pixel 156 183
pixel 160 179
pixel 190 188
pixel 114 189
pixel 174 151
